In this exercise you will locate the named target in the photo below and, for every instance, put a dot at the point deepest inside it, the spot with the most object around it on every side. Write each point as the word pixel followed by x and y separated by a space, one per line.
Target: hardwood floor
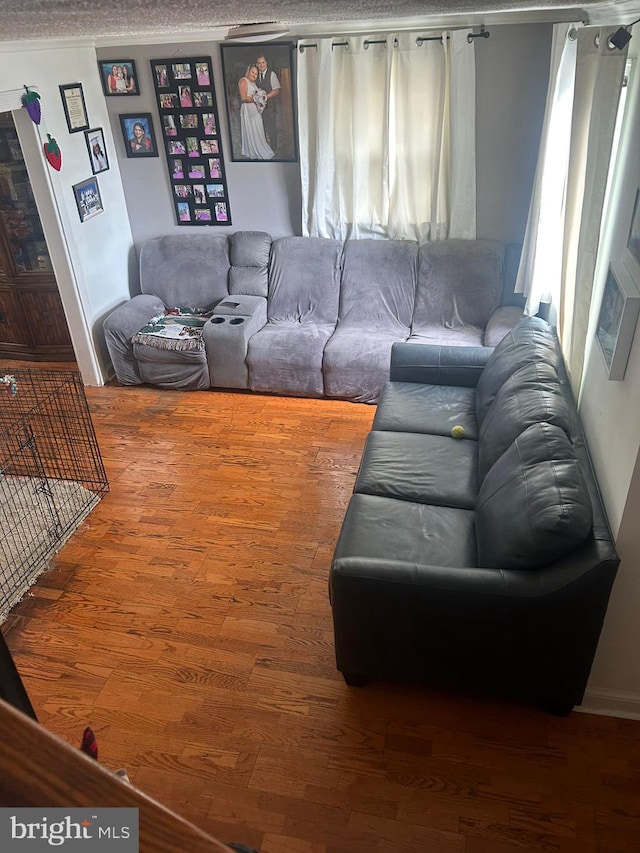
pixel 187 621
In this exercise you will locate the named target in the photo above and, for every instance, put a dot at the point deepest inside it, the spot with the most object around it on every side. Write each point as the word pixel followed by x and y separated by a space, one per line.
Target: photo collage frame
pixel 188 112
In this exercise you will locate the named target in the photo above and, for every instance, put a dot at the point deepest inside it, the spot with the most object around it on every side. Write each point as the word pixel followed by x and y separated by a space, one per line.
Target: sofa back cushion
pixel 378 284
pixel 190 270
pixel 249 253
pixel 304 280
pixel 459 283
pixel 531 341
pixel 532 395
pixel 533 506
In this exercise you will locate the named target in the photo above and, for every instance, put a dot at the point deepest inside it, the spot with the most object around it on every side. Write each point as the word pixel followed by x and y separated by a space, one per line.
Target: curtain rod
pixel 484 34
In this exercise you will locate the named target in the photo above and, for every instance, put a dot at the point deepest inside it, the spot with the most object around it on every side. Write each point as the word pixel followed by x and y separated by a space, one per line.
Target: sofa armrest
pixel 431 364
pixel 120 326
pixel 501 322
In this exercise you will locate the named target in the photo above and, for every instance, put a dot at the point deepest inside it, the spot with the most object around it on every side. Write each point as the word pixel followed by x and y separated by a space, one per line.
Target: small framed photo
pixel 118 77
pixel 75 109
pixel 617 320
pixel 138 135
pixel 97 150
pixel 260 93
pixel 88 199
pixel 633 241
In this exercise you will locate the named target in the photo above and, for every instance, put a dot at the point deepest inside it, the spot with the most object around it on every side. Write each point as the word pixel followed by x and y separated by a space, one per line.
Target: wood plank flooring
pixel 187 621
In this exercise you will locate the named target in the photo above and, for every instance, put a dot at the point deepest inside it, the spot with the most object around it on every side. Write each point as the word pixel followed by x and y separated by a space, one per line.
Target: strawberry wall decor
pixel 53 153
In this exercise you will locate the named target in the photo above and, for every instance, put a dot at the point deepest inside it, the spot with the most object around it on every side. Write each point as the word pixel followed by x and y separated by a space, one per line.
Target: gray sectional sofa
pixel 484 561
pixel 307 316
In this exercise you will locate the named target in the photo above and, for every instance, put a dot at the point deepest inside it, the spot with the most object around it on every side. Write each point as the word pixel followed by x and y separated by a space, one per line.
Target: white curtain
pixel 540 271
pixel 376 117
pixel 599 77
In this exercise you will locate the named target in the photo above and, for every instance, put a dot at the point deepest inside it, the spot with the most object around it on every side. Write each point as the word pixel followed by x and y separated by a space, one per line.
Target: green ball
pixel 457 431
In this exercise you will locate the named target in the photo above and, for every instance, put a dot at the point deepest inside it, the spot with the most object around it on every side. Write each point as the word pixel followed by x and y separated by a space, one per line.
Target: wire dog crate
pixel 51 472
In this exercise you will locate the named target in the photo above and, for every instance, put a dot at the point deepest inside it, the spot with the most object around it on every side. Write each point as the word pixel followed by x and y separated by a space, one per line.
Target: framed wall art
pixel 118 77
pixel 617 320
pixel 633 241
pixel 138 135
pixel 75 110
pixel 259 91
pixel 88 199
pixel 189 118
pixel 97 150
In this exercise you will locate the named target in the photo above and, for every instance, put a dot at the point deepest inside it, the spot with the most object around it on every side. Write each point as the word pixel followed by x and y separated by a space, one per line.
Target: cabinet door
pixel 45 317
pixel 32 320
pixel 13 330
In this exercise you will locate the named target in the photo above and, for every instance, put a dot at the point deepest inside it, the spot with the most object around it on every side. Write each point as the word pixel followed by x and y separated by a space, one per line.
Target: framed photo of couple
pixel 259 91
pixel 186 101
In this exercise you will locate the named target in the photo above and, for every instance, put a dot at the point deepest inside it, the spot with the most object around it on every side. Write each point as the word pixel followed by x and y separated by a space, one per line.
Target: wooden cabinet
pixel 32 321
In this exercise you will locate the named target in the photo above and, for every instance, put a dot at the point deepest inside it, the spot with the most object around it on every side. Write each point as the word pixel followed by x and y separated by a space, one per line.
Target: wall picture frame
pixel 118 77
pixel 186 100
pixel 633 240
pixel 97 150
pixel 75 109
pixel 262 126
pixel 617 320
pixel 88 198
pixel 138 135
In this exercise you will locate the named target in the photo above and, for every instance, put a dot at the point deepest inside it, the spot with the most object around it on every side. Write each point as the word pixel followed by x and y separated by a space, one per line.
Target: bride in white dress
pixel 254 142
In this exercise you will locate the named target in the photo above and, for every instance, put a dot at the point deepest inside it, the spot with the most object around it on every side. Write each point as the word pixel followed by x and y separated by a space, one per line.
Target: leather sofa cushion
pixel 530 341
pixel 433 469
pixel 403 542
pixel 532 395
pixel 433 409
pixel 533 506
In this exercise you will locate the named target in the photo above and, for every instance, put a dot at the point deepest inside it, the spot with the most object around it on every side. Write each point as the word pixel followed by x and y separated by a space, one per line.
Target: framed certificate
pixel 74 107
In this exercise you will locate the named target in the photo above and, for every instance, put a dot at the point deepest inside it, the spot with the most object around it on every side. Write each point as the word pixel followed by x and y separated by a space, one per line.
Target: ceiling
pixel 130 21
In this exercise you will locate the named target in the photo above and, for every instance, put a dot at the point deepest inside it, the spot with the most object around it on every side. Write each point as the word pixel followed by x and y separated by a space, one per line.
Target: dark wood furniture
pixel 32 320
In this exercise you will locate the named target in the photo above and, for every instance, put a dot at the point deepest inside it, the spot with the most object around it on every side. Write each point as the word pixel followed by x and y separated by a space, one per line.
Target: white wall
pixel 512 72
pixel 262 196
pixel 610 413
pixel 91 261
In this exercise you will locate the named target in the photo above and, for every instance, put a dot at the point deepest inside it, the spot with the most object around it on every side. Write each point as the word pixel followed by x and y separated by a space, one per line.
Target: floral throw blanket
pixel 176 329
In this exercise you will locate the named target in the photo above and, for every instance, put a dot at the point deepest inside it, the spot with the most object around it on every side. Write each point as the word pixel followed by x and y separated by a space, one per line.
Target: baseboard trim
pixel 610 703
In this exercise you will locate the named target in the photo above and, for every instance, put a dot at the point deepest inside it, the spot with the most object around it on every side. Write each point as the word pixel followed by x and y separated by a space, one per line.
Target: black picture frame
pixel 278 117
pixel 97 150
pixel 88 198
pixel 136 144
pixel 617 320
pixel 189 118
pixel 75 109
pixel 633 240
pixel 114 85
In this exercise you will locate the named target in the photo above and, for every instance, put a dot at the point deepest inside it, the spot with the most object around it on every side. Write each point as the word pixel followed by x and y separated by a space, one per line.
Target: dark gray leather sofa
pixel 486 561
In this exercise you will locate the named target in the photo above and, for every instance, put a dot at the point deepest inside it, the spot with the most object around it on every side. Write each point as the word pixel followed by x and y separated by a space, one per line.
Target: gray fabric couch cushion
pixel 531 395
pixel 377 290
pixel 434 409
pixel 537 484
pixel 285 356
pixel 531 341
pixel 459 287
pixel 249 255
pixel 190 270
pixel 431 469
